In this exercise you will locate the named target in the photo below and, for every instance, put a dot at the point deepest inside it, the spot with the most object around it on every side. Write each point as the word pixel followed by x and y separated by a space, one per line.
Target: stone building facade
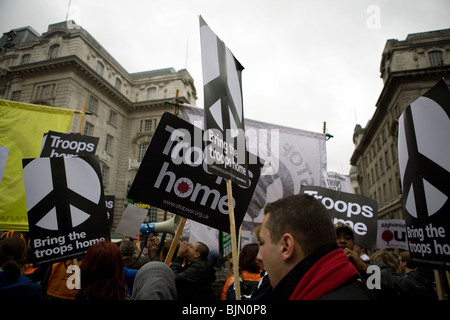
pixel 66 67
pixel 408 68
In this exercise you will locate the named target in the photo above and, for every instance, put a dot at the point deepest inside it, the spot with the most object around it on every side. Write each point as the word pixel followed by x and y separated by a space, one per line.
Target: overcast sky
pixel 306 61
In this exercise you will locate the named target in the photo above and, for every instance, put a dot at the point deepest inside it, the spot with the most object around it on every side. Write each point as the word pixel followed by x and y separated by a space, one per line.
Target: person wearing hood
pixel 194 278
pixel 154 281
pixel 14 285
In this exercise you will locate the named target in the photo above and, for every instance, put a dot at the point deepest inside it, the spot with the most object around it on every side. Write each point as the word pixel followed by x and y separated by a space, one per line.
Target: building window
pixel 151 93
pixel 386 158
pixel 118 84
pixel 141 151
pixel 92 105
pixel 45 91
pixel 112 117
pixel 381 166
pixel 53 52
pixel 25 59
pixel 147 125
pixel 15 96
pixel 99 68
pixel 105 175
pixel 436 58
pixel 109 143
pixel 88 129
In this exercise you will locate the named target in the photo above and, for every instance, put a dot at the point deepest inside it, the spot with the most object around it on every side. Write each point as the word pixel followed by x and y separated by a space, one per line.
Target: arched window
pixel 99 68
pixel 118 84
pixel 53 52
pixel 141 150
pixel 25 59
pixel 151 93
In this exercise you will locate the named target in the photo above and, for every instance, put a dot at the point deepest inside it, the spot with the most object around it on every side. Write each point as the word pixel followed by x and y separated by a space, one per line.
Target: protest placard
pixel 59 144
pixel 337 181
pixel 110 201
pixel 173 176
pixel 392 234
pixel 424 161
pixel 359 212
pixel 224 115
pixel 65 206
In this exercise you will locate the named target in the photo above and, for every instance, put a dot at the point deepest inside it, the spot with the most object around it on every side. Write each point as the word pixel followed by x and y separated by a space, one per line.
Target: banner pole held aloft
pixel 234 248
pixel 175 240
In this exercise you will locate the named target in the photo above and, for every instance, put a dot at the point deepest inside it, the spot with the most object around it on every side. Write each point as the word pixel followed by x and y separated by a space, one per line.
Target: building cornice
pixel 77 64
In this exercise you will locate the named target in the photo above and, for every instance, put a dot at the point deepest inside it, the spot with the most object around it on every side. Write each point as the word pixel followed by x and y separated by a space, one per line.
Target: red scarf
pixel 327 274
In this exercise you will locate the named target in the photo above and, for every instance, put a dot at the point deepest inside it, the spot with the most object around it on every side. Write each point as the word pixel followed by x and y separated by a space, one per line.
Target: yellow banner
pixel 22 128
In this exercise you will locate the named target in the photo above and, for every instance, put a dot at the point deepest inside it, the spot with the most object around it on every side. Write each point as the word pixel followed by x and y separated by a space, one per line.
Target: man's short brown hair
pixel 305 218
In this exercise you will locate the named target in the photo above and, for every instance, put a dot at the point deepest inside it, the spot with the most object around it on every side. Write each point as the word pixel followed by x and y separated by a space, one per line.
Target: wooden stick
pixel 439 284
pixel 175 240
pixel 234 248
pixel 175 108
pixel 82 116
pixel 180 228
pixel 228 265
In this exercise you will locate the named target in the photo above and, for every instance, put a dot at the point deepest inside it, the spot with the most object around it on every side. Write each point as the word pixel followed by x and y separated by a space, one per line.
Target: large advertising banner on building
pixel 291 157
pixel 424 161
pixel 173 176
pixel 359 212
pixel 65 205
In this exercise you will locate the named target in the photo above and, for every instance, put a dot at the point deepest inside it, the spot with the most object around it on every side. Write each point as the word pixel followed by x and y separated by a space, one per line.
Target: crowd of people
pixel 300 255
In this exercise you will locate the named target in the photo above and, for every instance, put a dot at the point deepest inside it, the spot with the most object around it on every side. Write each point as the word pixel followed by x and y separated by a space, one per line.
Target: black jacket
pixel 395 286
pixel 193 281
pixel 425 282
pixel 353 289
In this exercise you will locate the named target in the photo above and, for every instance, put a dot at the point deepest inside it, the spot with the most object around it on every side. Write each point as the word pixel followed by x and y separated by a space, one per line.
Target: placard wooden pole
pixel 175 240
pixel 180 228
pixel 439 284
pixel 82 116
pixel 234 247
pixel 75 261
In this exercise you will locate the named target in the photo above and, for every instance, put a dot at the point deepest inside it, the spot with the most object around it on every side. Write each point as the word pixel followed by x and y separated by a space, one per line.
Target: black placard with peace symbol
pixel 65 205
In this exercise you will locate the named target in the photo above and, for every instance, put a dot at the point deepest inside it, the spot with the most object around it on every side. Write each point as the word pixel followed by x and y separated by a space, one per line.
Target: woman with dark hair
pixel 250 271
pixel 102 273
pixel 14 285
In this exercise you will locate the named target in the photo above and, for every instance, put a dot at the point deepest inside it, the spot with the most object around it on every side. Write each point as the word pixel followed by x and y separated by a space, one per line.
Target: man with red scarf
pixel 299 251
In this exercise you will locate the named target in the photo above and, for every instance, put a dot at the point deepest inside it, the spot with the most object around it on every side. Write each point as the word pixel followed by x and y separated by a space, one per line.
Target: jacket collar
pixel 288 284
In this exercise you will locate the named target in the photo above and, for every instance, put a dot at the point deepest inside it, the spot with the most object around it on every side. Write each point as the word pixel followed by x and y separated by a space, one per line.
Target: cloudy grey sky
pixel 306 61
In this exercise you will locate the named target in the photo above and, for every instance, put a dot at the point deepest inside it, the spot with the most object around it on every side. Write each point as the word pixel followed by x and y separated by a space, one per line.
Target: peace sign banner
pixel 65 205
pixel 424 161
pixel 226 154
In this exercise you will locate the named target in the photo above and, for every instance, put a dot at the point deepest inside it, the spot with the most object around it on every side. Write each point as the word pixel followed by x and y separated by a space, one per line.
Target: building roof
pixel 16 37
